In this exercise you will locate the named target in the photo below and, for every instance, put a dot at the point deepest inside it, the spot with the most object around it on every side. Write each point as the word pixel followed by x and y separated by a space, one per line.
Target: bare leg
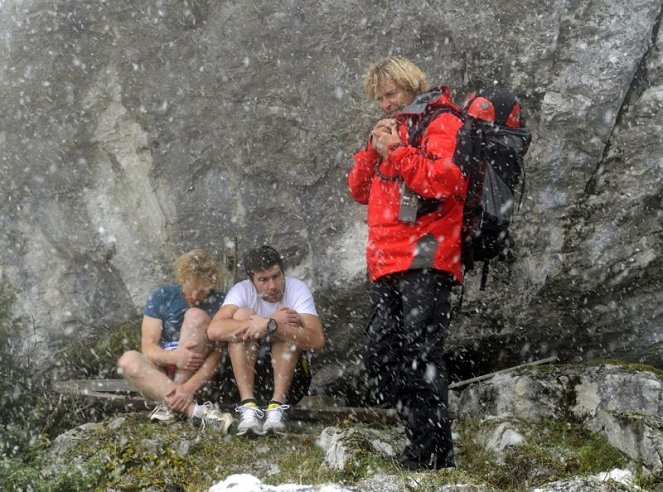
pixel 243 359
pixel 151 380
pixel 194 328
pixel 147 378
pixel 285 356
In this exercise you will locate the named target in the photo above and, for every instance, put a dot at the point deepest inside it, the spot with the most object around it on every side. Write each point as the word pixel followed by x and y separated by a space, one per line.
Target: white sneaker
pixel 275 420
pixel 209 413
pixel 162 413
pixel 250 419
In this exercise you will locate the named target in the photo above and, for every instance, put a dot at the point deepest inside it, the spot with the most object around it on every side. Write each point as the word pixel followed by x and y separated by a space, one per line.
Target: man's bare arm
pixel 206 371
pixel 150 334
pixel 223 328
pixel 307 334
pixel 184 357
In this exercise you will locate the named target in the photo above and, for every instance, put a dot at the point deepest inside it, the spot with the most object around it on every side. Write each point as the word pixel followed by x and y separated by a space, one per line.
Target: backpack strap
pixel 416 131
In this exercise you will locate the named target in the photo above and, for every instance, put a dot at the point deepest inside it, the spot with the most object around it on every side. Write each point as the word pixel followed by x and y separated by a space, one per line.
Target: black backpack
pixel 490 147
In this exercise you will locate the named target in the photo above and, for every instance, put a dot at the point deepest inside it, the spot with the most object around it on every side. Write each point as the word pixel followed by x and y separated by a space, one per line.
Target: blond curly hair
pixel 401 71
pixel 198 264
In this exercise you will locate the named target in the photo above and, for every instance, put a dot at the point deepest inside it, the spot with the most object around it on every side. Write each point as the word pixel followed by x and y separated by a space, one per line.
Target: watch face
pixel 272 326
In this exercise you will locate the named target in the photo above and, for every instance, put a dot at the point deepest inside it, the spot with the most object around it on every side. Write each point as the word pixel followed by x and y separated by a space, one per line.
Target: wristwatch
pixel 272 325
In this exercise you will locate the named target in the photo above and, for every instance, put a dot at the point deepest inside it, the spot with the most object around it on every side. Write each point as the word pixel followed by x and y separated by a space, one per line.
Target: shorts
pixel 264 382
pixel 170 368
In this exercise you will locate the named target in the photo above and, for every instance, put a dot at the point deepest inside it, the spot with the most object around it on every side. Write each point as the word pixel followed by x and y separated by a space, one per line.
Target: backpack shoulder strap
pixel 416 130
pixel 419 125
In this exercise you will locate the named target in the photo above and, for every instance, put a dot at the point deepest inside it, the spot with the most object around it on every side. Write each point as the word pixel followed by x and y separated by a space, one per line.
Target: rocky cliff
pixel 133 131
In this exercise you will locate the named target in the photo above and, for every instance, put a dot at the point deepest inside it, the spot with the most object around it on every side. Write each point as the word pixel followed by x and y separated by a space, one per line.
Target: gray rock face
pixel 623 405
pixel 340 446
pixel 500 436
pixel 602 482
pixel 133 131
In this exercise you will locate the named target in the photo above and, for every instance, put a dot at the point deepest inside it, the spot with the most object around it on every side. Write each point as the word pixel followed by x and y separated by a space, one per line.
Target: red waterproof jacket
pixel 434 240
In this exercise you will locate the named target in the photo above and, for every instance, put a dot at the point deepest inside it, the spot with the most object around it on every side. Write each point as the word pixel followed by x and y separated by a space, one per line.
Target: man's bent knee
pixel 196 317
pixel 129 362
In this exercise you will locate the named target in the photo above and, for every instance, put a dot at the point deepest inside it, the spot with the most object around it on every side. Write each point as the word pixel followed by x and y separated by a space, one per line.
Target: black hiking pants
pixel 404 356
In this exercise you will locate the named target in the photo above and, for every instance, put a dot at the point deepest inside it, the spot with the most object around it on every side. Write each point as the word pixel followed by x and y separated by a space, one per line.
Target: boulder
pixel 134 131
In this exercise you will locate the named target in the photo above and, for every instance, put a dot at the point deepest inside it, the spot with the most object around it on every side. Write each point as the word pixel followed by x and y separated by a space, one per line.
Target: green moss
pixel 301 460
pixel 634 367
pixel 553 450
pixel 97 357
pixel 136 454
pixel 16 475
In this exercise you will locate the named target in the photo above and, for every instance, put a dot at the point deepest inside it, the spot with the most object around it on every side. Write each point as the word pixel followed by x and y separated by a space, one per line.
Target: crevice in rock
pixel 639 83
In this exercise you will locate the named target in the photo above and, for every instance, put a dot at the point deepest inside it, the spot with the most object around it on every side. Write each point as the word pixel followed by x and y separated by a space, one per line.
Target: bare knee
pixel 196 317
pixel 242 314
pixel 194 327
pixel 130 362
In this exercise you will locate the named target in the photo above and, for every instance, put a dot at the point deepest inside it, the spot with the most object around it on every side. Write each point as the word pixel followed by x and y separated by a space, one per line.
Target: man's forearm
pixel 223 330
pixel 300 335
pixel 156 355
pixel 205 373
pixel 361 174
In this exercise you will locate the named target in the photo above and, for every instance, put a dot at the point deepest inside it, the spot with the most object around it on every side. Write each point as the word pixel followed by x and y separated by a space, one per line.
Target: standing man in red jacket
pixel 415 196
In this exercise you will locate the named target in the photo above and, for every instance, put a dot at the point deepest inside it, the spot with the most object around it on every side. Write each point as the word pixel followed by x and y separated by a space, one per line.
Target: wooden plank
pixel 343 413
pixel 85 386
pixel 118 393
pixel 466 382
pixel 114 392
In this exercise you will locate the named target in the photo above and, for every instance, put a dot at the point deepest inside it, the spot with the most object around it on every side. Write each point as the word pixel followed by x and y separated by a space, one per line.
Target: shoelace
pixel 242 409
pixel 204 410
pixel 272 415
pixel 281 408
pixel 159 408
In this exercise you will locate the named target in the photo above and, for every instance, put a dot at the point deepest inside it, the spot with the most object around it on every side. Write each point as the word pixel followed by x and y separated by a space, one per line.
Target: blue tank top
pixel 167 303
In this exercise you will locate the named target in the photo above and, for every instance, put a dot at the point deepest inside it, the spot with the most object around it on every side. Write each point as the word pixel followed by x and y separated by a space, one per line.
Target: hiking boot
pixel 275 420
pixel 162 413
pixel 410 463
pixel 209 413
pixel 250 419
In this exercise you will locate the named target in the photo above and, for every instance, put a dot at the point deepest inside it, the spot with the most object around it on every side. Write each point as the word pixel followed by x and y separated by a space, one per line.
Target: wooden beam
pixel 460 384
pixel 118 393
pixel 115 392
pixel 334 414
pixel 86 386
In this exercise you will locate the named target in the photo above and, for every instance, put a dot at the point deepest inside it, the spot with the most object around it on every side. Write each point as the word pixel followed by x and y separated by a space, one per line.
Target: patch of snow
pixel 245 482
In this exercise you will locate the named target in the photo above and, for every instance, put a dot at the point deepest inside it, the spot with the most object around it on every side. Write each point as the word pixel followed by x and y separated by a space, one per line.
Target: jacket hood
pixel 438 96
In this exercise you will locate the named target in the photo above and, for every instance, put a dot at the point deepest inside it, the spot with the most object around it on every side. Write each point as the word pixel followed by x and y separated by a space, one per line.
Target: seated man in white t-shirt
pixel 268 312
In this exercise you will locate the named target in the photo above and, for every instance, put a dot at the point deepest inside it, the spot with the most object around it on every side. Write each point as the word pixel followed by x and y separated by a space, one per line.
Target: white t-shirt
pixel 296 296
